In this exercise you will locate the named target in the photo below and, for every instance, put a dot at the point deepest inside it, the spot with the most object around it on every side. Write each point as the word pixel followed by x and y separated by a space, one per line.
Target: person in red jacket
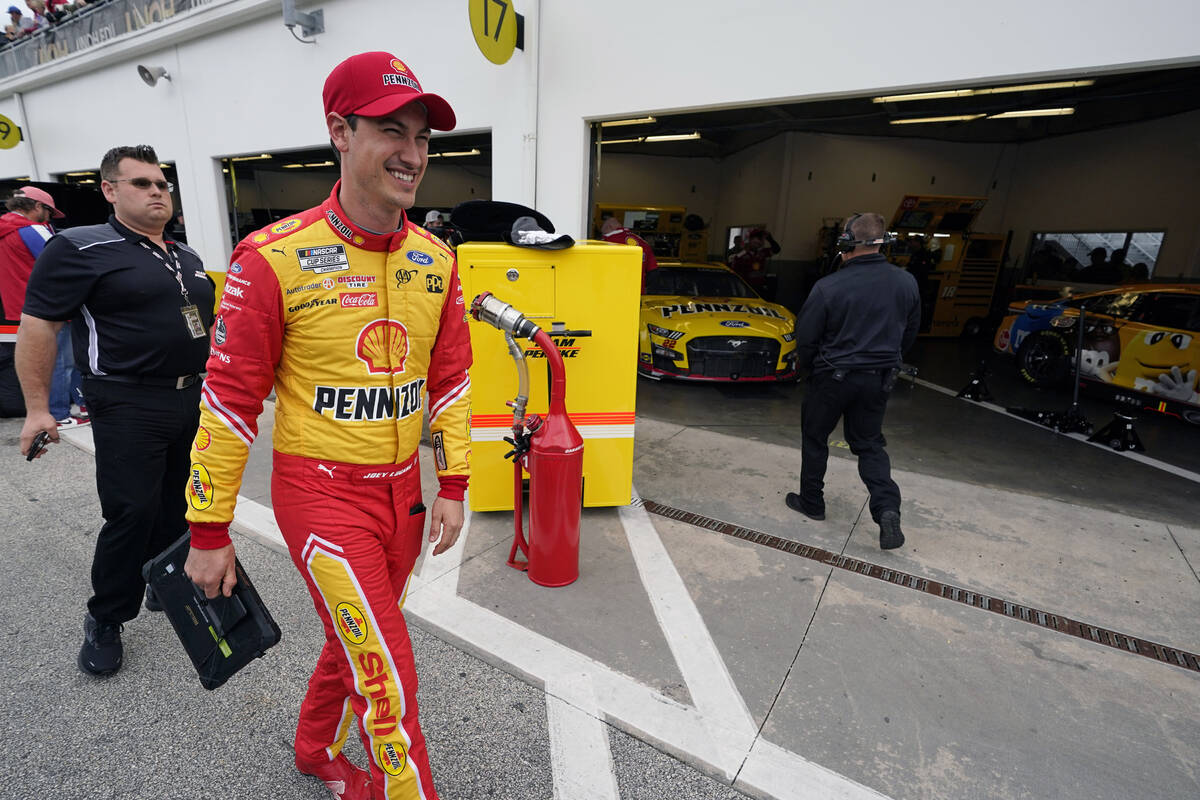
pixel 23 233
pixel 613 231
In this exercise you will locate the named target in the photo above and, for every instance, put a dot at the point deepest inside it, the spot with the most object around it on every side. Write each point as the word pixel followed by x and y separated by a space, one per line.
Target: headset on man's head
pixel 846 241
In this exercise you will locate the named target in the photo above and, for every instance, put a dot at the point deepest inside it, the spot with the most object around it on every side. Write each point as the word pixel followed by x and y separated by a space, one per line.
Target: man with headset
pixel 851 333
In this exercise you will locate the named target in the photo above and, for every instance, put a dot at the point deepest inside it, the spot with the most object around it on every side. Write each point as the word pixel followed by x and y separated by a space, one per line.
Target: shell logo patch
pixel 261 237
pixel 200 488
pixel 358 239
pixel 203 438
pixel 350 622
pixel 392 758
pixel 383 347
pixel 630 240
pixel 285 226
pixel 398 65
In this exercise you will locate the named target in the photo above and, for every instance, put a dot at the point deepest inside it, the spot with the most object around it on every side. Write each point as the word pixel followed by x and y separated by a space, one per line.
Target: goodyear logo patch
pixel 326 258
pixel 417 257
pixel 200 488
pixel 392 758
pixel 350 622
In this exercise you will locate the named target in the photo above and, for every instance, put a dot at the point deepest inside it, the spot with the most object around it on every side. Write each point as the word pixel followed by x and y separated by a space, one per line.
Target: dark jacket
pixel 864 316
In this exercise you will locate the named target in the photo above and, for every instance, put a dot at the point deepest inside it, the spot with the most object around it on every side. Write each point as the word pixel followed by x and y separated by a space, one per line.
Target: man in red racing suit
pixel 354 314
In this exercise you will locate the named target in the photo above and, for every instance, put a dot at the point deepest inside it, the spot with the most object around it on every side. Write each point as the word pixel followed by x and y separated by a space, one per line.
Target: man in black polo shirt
pixel 851 332
pixel 140 308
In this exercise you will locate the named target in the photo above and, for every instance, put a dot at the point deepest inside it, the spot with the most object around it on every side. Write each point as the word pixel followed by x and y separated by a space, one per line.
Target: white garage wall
pixel 241 83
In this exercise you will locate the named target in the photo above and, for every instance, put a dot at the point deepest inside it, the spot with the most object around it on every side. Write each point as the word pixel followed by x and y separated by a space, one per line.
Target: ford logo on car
pixel 735 323
pixel 417 257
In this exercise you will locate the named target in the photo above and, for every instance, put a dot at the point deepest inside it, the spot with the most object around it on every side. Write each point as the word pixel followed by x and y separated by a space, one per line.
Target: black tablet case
pixel 220 635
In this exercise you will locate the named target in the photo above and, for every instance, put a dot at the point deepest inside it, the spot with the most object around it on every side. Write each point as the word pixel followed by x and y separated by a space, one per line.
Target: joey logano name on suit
pixel 367 403
pixel 729 308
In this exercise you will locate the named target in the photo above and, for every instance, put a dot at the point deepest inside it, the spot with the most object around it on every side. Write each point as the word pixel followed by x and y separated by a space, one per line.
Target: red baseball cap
pixel 376 84
pixel 43 197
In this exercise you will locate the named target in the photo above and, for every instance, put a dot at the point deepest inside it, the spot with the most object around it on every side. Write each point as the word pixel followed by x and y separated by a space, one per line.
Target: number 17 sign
pixel 496 26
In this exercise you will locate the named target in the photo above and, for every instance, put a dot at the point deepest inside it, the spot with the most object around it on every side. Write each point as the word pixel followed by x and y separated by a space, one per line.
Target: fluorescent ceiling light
pixel 941 236
pixel 612 123
pixel 918 120
pixel 293 166
pixel 673 137
pixel 79 174
pixel 938 95
pixel 1035 112
pixel 634 140
pixel 319 164
pixel 251 158
pixel 474 151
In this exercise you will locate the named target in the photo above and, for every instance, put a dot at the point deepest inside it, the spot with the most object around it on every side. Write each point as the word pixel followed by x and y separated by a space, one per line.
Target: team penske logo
pixel 368 403
pixel 351 623
pixel 200 488
pixel 392 758
pixel 383 346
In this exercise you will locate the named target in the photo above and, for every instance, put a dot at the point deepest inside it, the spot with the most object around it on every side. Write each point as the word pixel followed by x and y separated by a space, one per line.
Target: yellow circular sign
pixel 10 134
pixel 494 24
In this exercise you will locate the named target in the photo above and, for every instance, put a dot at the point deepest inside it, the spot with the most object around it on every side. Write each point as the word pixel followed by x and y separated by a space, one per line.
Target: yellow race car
pixel 702 322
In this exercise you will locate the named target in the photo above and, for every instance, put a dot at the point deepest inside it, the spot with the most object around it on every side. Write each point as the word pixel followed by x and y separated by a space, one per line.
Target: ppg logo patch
pixel 734 323
pixel 433 284
pixel 417 257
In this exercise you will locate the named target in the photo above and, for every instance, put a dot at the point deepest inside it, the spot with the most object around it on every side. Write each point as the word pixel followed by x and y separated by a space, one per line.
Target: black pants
pixel 143 436
pixel 859 400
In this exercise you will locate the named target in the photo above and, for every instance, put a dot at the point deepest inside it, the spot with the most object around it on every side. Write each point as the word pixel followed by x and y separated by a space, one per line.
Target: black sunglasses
pixel 146 183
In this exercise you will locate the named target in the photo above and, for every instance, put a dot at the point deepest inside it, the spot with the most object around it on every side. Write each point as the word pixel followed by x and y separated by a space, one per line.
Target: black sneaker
pixel 811 510
pixel 152 603
pixel 101 652
pixel 890 536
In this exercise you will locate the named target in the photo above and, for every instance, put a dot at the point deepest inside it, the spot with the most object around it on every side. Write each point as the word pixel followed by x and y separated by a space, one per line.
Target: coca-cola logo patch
pixel 359 299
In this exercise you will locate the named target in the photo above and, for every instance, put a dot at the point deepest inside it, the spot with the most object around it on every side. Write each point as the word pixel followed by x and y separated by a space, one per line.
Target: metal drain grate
pixel 997 605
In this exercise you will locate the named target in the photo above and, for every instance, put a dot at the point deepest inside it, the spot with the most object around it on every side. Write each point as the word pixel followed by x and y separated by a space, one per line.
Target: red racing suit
pixel 352 328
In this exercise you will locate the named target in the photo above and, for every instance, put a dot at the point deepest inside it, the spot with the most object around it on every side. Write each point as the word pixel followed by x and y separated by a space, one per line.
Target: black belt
pixel 182 382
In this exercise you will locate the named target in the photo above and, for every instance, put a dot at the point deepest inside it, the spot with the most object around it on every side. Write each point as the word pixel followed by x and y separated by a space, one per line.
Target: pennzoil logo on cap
pixel 350 622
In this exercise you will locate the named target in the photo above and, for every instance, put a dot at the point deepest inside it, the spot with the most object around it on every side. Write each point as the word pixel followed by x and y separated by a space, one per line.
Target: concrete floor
pixel 687 663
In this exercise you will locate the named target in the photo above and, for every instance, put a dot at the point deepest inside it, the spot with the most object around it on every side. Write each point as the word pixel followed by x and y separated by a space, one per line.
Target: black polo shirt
pixel 120 291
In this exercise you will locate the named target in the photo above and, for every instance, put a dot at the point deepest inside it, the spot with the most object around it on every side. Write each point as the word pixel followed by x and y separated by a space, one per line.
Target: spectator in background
pixel 751 263
pixel 23 234
pixel 733 251
pixel 38 9
pixel 21 23
pixel 1139 274
pixel 615 232
pixel 435 225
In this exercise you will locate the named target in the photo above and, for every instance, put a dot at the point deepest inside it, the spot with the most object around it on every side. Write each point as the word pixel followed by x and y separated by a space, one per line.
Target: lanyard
pixel 173 267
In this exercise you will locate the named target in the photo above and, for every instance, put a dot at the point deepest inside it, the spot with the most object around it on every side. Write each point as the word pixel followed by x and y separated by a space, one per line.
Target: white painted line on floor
pixel 579 753
pixel 773 770
pixel 1079 437
pixel 704 671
